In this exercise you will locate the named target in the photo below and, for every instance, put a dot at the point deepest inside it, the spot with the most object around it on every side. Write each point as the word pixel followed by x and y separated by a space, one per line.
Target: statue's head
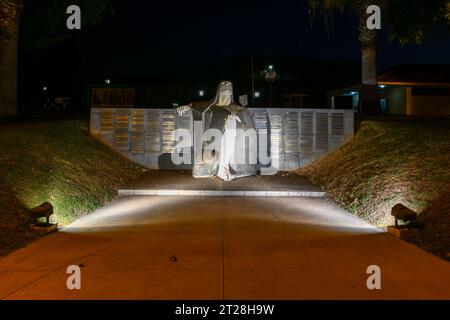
pixel 225 93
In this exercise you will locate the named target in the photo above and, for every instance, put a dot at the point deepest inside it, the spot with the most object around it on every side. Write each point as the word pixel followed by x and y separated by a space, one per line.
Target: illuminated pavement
pixel 222 248
pixel 155 183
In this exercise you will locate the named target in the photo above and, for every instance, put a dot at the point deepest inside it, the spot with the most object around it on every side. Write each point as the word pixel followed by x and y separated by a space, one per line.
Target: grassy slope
pixel 58 162
pixel 394 162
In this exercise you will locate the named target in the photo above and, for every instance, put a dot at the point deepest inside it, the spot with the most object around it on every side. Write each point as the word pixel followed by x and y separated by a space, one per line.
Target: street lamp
pixel 270 76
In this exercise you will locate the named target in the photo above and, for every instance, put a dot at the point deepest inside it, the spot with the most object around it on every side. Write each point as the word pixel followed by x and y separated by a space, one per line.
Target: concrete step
pixel 219 193
pixel 177 183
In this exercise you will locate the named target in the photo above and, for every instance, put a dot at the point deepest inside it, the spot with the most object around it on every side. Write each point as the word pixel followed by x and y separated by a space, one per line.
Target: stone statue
pixel 232 156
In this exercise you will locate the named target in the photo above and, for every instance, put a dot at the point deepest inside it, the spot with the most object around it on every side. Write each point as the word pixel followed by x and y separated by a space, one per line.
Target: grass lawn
pixel 394 162
pixel 58 162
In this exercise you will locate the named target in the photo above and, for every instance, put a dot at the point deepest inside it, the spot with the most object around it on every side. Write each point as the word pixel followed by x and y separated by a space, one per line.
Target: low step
pixel 220 193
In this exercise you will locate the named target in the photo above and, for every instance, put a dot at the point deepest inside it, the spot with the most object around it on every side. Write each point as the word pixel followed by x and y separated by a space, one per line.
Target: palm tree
pixel 406 22
pixel 10 11
pixel 369 52
pixel 369 44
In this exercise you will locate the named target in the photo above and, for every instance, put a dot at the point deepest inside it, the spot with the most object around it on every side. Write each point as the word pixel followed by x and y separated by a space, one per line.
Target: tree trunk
pixel 9 38
pixel 369 46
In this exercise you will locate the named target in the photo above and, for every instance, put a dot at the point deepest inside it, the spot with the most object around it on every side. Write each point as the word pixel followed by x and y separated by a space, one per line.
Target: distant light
pixel 175 105
pixel 353 93
pixel 257 94
pixel 44 88
pixel 382 86
pixel 108 81
pixel 201 93
pixel 271 67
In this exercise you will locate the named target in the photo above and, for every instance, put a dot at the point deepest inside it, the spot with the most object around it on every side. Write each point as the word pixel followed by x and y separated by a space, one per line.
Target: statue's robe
pixel 244 161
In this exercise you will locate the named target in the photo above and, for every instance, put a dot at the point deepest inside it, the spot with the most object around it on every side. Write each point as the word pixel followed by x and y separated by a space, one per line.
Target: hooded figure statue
pixel 234 155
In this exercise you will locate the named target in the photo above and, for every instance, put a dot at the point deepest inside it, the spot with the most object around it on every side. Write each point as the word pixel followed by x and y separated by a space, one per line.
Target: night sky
pixel 155 37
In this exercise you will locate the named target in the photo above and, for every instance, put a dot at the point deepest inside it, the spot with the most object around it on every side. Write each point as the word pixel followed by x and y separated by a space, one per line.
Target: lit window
pixel 108 81
pixel 257 94
pixel 201 93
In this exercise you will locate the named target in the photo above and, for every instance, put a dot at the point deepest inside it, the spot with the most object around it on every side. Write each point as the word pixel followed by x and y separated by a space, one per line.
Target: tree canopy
pixel 404 21
pixel 412 21
pixel 43 22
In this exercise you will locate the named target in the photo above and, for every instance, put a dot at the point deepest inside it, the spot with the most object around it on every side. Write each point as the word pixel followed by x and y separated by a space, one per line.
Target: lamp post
pixel 253 82
pixel 270 76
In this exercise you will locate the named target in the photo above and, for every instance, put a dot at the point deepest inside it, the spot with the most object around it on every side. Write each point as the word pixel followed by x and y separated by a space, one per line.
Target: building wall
pixel 396 97
pixel 427 105
pixel 402 101
pixel 296 137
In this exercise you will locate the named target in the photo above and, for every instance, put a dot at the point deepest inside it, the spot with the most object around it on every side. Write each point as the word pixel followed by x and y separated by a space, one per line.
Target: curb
pixel 221 193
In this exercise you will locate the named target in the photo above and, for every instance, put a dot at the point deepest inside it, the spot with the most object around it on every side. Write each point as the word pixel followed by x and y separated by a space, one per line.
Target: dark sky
pixel 155 36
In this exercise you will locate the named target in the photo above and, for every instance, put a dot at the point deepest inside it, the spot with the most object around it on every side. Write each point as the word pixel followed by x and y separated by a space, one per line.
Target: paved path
pixel 182 183
pixel 225 248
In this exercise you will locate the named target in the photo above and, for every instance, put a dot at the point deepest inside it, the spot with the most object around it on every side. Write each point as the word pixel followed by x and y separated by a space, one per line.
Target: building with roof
pixel 404 90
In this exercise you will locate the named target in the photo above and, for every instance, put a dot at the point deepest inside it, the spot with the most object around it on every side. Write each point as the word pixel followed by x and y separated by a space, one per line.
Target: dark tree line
pixel 32 24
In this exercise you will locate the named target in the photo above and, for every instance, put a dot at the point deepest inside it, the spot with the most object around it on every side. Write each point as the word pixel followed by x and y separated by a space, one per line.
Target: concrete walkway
pixel 222 248
pixel 181 183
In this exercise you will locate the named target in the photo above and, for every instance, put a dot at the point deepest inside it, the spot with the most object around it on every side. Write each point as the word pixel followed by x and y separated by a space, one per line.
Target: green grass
pixel 58 162
pixel 393 162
